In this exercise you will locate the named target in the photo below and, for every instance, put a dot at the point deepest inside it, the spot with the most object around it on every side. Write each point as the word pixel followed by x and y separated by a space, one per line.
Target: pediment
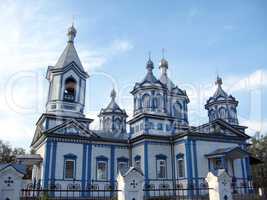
pixel 222 128
pixel 227 129
pixel 71 127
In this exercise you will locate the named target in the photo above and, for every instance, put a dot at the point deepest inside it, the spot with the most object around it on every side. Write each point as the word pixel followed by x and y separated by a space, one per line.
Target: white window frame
pixel 158 161
pixel 106 170
pixel 124 163
pixel 65 169
pixel 178 167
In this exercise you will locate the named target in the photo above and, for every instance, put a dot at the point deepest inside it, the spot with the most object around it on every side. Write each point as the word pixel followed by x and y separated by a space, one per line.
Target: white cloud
pixel 255 80
pixel 255 126
pixel 30 42
pixel 252 84
pixel 29 39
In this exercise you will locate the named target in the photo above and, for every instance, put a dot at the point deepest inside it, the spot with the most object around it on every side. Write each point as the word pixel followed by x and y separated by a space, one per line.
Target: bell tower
pixel 67 82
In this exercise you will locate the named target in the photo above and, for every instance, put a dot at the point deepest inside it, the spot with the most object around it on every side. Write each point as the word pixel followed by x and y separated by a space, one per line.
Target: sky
pixel 202 39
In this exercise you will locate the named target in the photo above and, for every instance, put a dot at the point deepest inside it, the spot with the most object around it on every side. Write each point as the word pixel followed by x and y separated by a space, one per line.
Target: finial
pixel 218 81
pixel 113 94
pixel 163 53
pixel 149 64
pixel 71 33
pixel 72 23
pixel 163 62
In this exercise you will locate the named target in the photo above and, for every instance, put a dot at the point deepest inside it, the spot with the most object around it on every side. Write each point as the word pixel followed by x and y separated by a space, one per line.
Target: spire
pixel 113 94
pixel 218 81
pixel 69 54
pixel 149 64
pixel 219 91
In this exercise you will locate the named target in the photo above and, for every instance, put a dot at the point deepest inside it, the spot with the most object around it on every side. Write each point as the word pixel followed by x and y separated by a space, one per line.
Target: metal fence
pixel 70 194
pixel 179 189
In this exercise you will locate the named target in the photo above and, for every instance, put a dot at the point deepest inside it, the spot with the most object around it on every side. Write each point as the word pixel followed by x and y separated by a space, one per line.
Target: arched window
pixel 233 113
pixel 137 161
pixel 107 124
pixel 146 101
pixel 222 113
pixel 180 165
pixel 69 166
pixel 161 166
pixel 177 110
pixel 122 165
pixel 118 124
pixel 212 115
pixel 155 103
pixel 70 89
pixel 101 168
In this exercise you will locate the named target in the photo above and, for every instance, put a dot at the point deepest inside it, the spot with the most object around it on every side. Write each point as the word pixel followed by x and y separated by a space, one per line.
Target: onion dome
pixel 71 33
pixel 113 107
pixel 221 105
pixel 163 63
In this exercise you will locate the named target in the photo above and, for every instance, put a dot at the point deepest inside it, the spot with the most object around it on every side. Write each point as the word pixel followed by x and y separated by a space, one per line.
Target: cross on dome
pixel 113 94
pixel 218 81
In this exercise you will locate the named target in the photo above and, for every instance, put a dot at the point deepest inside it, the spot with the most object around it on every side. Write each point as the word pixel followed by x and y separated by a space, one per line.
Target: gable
pixel 10 170
pixel 222 128
pixel 71 127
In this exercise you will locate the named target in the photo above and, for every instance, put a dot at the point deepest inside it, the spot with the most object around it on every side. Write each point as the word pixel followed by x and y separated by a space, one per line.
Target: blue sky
pixel 201 38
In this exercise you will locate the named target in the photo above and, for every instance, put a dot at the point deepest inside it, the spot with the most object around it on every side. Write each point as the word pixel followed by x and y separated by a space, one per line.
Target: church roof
pixel 69 54
pixel 113 107
pixel 235 152
pixel 220 94
pixel 149 79
pixel 18 167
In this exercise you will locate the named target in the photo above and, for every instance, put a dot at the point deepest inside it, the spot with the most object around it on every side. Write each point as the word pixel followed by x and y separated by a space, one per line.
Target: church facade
pixel 160 141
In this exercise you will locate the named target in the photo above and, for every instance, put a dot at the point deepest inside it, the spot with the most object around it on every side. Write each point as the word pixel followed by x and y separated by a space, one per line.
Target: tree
pixel 259 150
pixel 8 154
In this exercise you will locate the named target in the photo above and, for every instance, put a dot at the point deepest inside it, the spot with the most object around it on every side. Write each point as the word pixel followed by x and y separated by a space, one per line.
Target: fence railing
pixel 38 194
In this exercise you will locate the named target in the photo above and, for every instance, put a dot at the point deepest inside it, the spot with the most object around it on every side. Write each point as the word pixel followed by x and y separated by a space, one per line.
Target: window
pixel 69 166
pixel 122 165
pixel 218 164
pixel 151 125
pixel 222 113
pixel 118 125
pixel 101 168
pixel 141 126
pixel 161 165
pixel 180 165
pixel 180 168
pixel 177 110
pixel 146 101
pixel 168 127
pixel 161 168
pixel 137 162
pixel 69 91
pixel 160 126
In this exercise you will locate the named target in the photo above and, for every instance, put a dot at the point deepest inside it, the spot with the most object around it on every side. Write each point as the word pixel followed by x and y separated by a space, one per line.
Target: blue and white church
pixel 159 141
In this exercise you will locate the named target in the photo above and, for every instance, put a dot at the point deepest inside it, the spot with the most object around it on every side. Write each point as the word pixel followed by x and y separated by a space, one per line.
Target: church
pixel 159 141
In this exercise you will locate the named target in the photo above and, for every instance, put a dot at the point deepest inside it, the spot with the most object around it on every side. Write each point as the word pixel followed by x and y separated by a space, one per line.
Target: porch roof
pixel 230 152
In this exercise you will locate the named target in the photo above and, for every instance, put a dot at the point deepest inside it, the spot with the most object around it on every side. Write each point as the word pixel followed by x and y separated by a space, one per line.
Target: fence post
pixel 130 185
pixel 220 185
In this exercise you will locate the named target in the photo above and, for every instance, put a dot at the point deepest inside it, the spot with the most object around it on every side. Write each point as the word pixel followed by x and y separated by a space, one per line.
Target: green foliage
pixel 259 150
pixel 8 154
pixel 45 196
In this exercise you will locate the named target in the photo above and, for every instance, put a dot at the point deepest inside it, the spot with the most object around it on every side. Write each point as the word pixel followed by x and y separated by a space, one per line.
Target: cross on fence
pixel 9 181
pixel 133 183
